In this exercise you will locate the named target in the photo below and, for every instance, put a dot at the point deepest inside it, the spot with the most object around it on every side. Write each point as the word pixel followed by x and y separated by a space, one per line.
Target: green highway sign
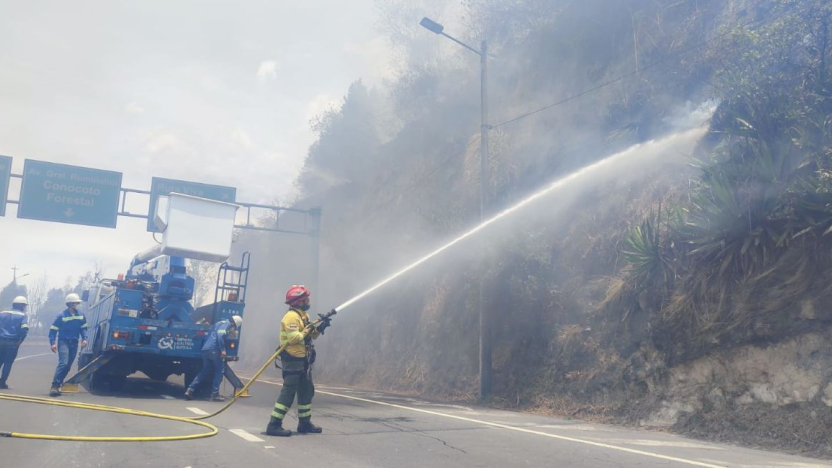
pixel 161 187
pixel 5 175
pixel 69 194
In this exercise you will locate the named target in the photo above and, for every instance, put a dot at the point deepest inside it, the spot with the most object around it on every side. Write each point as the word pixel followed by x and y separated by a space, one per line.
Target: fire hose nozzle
pixel 324 320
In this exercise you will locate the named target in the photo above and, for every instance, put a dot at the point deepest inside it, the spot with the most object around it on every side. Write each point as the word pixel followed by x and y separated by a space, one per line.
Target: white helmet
pixel 73 298
pixel 20 300
pixel 238 321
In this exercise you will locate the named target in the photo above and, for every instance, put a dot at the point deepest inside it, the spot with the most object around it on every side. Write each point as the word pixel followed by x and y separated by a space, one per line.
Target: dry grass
pixel 570 336
pixel 616 291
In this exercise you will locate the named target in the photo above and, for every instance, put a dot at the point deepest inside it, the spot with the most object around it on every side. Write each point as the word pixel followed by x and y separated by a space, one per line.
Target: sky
pixel 205 91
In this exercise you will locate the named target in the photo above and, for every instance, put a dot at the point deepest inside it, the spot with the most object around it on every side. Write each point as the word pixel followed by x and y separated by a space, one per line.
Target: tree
pixel 204 275
pixel 55 302
pixel 9 292
pixel 38 293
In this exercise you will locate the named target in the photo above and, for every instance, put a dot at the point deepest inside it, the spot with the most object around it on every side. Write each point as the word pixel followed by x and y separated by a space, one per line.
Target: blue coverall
pixel 14 326
pixel 212 357
pixel 67 327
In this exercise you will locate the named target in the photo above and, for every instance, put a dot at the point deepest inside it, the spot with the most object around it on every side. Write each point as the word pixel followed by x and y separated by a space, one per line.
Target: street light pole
pixel 15 276
pixel 484 323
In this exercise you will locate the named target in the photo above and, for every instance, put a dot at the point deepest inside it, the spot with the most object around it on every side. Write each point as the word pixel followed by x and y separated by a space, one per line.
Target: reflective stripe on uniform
pixel 305 407
pixel 279 407
pixel 13 312
pixel 287 337
pixel 220 332
pixel 24 326
pixel 53 327
pixel 73 317
pixel 85 326
pixel 277 415
pixel 305 414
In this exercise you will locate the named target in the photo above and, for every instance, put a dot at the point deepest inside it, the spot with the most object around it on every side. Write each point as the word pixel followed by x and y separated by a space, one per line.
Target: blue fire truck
pixel 144 322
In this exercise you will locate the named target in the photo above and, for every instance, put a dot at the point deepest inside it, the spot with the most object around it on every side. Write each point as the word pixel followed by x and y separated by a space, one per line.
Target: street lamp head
pixel 431 25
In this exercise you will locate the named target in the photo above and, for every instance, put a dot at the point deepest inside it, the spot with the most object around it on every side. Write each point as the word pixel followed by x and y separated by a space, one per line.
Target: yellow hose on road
pixel 197 420
pixel 110 409
pixel 243 390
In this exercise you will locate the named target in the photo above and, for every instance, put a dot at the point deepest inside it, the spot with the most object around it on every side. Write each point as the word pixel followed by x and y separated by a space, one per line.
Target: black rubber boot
pixel 54 391
pixel 3 386
pixel 305 426
pixel 217 398
pixel 189 394
pixel 275 428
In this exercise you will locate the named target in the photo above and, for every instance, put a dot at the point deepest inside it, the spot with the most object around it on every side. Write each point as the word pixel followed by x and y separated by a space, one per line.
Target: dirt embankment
pixel 775 396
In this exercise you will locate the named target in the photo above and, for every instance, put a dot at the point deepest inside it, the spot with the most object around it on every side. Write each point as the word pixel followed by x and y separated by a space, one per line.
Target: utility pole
pixel 484 322
pixel 15 269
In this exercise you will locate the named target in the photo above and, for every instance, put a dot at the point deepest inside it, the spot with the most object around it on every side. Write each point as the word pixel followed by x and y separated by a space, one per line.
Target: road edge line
pixel 520 429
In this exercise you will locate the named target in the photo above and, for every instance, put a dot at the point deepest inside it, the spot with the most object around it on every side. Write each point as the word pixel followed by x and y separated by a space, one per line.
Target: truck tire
pixel 116 382
pixel 98 382
pixel 105 383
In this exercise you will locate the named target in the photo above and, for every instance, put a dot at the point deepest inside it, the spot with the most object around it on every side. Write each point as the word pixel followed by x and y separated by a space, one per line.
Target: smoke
pixel 690 115
pixel 619 167
pixel 396 172
pixel 286 263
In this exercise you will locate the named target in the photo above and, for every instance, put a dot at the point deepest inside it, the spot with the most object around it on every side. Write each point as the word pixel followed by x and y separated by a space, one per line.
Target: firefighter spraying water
pixel 296 334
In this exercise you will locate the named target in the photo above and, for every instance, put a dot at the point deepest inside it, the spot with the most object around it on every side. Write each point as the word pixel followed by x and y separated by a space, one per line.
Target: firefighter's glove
pixel 322 326
pixel 325 322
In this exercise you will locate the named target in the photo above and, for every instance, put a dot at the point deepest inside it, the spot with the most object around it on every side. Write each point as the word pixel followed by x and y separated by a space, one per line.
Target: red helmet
pixel 296 294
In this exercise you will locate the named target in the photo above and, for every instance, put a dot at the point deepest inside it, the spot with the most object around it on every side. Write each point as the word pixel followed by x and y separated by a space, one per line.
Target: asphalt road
pixel 361 429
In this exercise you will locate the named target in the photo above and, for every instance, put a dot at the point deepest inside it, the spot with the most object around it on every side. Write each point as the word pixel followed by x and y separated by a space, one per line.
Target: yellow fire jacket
pixel 291 332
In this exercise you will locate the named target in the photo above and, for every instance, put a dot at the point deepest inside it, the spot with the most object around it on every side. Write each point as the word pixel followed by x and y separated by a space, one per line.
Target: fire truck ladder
pixel 232 281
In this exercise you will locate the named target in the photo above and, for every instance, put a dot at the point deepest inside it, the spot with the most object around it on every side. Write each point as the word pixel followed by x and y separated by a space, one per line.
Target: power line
pixel 624 77
pixel 429 174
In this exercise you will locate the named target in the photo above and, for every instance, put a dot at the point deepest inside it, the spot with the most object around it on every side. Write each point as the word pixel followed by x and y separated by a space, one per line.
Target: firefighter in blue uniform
pixel 14 326
pixel 68 327
pixel 213 357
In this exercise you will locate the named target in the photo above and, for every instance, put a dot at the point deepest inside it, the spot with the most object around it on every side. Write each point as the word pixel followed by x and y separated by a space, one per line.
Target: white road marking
pixel 168 397
pixel 664 443
pixel 268 446
pixel 31 356
pixel 196 411
pixel 245 435
pixel 335 388
pixel 527 431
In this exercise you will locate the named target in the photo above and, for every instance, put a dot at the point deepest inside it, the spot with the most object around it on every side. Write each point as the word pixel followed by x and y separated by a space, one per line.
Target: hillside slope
pixel 652 298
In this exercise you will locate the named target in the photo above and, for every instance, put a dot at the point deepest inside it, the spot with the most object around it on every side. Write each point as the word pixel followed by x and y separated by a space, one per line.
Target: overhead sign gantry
pixel 5 175
pixel 93 197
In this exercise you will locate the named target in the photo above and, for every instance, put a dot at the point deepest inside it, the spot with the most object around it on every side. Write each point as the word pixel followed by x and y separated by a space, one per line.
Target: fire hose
pixel 196 420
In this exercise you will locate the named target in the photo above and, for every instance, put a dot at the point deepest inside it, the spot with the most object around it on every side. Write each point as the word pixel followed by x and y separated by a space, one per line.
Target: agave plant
pixel 643 251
